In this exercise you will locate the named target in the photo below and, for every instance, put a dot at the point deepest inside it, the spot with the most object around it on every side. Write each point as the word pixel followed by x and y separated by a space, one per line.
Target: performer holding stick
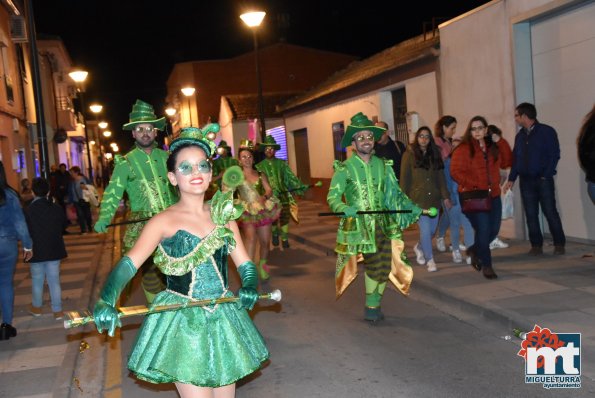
pixel 284 184
pixel 203 350
pixel 368 184
pixel 141 173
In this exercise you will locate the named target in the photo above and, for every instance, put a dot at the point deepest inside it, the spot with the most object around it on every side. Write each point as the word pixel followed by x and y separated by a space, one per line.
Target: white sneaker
pixel 440 245
pixel 462 247
pixel 468 260
pixel 457 257
pixel 498 244
pixel 421 260
pixel 432 265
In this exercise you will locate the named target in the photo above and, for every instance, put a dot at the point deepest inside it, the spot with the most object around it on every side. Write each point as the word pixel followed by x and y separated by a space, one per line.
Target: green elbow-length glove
pixel 248 294
pixel 105 313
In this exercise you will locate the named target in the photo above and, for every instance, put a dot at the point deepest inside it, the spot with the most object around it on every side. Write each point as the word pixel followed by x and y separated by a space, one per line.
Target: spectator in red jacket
pixel 476 165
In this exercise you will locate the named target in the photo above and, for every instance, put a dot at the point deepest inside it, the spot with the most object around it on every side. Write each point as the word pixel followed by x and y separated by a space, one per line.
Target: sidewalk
pixel 555 292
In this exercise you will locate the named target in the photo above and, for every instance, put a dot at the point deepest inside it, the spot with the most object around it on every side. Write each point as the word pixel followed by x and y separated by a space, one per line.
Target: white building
pixel 482 63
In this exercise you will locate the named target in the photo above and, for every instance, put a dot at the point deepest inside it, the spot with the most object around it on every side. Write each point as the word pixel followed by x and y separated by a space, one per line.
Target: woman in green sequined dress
pixel 203 350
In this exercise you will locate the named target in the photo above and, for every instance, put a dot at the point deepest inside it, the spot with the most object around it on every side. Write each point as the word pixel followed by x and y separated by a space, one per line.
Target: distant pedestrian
pixel 83 209
pixel 495 133
pixel 444 131
pixel 46 221
pixel 388 149
pixel 586 151
pixel 13 229
pixel 535 156
pixel 26 192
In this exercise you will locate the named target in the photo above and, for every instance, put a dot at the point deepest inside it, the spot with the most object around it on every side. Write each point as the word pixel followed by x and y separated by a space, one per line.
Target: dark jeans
pixel 486 226
pixel 537 192
pixel 83 215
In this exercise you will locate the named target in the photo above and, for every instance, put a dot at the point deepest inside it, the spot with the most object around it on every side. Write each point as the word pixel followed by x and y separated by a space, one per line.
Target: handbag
pixel 476 201
pixel 479 200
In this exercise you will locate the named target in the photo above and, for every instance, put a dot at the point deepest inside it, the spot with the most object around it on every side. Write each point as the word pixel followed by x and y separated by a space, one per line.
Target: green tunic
pixel 222 163
pixel 144 178
pixel 281 179
pixel 368 186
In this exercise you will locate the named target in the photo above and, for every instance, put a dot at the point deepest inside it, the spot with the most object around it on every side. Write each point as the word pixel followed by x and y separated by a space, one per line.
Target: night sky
pixel 129 47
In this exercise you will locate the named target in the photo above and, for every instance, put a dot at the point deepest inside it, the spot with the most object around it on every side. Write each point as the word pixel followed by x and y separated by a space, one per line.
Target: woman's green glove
pixel 248 294
pixel 105 313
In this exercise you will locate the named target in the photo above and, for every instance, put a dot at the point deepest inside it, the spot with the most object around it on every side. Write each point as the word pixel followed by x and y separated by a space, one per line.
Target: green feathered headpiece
pixel 196 136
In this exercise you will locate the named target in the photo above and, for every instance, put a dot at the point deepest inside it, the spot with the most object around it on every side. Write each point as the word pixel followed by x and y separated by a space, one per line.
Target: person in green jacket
pixel 142 174
pixel 368 183
pixel 224 161
pixel 284 183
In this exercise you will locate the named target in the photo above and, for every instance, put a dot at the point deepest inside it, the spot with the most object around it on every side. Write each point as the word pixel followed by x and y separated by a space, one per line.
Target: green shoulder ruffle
pixel 222 211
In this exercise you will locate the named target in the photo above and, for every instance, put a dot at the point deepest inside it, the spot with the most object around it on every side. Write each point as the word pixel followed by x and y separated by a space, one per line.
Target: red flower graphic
pixel 538 338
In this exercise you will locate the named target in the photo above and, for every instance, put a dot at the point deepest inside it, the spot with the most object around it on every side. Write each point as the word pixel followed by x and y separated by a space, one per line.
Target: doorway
pixel 302 155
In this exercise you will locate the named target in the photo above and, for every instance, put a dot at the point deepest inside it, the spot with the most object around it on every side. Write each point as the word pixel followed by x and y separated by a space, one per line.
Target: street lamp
pixel 102 125
pixel 170 111
pixel 253 19
pixel 79 77
pixel 189 92
pixel 97 108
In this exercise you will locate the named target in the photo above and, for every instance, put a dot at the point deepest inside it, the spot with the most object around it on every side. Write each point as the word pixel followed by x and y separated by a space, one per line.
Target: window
pixel 6 73
pixel 278 134
pixel 338 132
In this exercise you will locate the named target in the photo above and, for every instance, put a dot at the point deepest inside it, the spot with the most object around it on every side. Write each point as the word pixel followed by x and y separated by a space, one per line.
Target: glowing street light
pixel 170 111
pixel 253 19
pixel 189 92
pixel 79 77
pixel 107 133
pixel 102 125
pixel 95 108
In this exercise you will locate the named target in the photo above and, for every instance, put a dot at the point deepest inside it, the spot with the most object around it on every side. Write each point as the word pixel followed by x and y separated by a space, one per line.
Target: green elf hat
pixel 360 122
pixel 143 113
pixel 269 142
pixel 198 137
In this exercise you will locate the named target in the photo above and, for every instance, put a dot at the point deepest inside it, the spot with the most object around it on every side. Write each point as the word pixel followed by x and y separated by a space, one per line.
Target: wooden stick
pixel 75 319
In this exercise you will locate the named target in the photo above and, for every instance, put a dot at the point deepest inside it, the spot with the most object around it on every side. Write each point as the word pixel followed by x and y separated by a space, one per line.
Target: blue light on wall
pixel 278 134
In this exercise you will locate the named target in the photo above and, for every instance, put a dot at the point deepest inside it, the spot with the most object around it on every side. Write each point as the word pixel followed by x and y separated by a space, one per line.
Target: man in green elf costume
pixel 142 174
pixel 368 183
pixel 223 161
pixel 284 183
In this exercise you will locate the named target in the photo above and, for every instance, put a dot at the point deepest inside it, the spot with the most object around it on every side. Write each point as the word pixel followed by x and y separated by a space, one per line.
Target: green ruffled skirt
pixel 206 346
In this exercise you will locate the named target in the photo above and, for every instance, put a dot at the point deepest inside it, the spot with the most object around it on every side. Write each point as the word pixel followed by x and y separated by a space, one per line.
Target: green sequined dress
pixel 208 346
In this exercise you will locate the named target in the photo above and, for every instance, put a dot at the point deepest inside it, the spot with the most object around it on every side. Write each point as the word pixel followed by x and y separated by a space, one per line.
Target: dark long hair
pixel 4 185
pixel 468 138
pixel 445 120
pixel 432 159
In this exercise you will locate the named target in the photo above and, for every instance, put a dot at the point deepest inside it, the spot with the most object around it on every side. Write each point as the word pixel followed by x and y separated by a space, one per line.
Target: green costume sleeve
pixel 336 190
pixel 395 199
pixel 114 191
pixel 292 182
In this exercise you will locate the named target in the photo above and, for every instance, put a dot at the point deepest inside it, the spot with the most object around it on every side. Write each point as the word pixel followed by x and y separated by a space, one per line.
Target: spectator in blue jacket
pixel 534 159
pixel 12 230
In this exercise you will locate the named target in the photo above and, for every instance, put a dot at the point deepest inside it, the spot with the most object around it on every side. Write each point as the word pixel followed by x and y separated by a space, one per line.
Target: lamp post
pixel 253 19
pixel 79 77
pixel 97 108
pixel 189 92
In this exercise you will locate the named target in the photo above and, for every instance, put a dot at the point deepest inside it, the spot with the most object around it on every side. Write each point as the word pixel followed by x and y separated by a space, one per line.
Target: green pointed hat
pixel 196 136
pixel 269 141
pixel 360 122
pixel 143 113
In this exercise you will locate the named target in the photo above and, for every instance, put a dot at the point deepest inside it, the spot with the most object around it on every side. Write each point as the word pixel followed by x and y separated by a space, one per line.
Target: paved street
pixel 447 339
